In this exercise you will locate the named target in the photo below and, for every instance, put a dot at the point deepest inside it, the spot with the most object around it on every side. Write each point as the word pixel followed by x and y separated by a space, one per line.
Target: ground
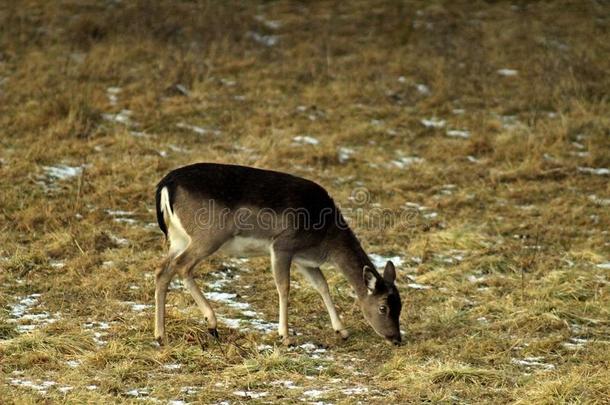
pixel 468 141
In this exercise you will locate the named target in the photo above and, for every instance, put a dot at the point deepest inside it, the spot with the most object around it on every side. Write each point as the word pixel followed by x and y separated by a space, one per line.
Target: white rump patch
pixel 179 240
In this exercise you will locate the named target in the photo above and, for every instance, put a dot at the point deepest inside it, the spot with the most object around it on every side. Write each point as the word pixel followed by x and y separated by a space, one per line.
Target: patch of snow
pixel 380 261
pixel 36 317
pixel 263 326
pixel 112 93
pixel 220 296
pixel 41 387
pixel 232 323
pixel 172 366
pixel 25 328
pixel 122 117
pixel 130 221
pixel 119 213
pixel 432 123
pixel 417 286
pixel 250 394
pixel 97 325
pixel 139 134
pixel 228 82
pixel 138 392
pixel 239 305
pixel 182 89
pixel 24 305
pixel 418 207
pixel 198 130
pixel 507 72
pixel 592 170
pixel 250 314
pixel 62 172
pixel 535 362
pixel 345 154
pixel 310 347
pixel 575 343
pixel 284 383
pixel 422 89
pixel 266 40
pixel 175 284
pixel 355 390
pixel 117 240
pixel 313 350
pixel 74 363
pixel 407 161
pixel 190 390
pixel 305 140
pixel 416 259
pixel 579 154
pixel 97 338
pixel 458 111
pixel 474 279
pixel 457 133
pixel 315 393
pixel 178 149
pixel 604 266
pixel 57 264
pixel 137 307
pixel 20 312
pixel 510 122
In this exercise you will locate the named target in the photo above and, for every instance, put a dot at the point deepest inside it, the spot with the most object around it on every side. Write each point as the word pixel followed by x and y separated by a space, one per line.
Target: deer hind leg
pixel 317 280
pixel 185 265
pixel 163 277
pixel 280 263
pixel 179 241
pixel 202 302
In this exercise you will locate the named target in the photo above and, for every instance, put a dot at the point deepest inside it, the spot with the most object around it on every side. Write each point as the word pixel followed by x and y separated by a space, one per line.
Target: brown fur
pixel 210 200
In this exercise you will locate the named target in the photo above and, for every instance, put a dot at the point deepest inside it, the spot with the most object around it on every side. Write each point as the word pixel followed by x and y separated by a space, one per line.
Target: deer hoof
pixel 344 333
pixel 214 332
pixel 288 342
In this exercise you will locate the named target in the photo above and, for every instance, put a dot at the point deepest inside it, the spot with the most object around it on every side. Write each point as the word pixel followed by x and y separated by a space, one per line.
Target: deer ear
pixel 371 278
pixel 389 274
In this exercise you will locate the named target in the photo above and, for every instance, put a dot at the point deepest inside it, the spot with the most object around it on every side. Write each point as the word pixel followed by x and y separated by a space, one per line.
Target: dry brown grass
pixel 511 256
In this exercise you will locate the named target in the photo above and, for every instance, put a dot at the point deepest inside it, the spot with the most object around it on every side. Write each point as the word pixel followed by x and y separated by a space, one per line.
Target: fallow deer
pixel 206 207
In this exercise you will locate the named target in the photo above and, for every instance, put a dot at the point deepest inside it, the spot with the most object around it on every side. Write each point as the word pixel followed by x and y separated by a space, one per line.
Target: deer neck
pixel 349 256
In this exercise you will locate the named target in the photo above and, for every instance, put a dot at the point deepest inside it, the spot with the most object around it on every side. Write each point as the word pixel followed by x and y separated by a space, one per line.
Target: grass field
pixel 487 122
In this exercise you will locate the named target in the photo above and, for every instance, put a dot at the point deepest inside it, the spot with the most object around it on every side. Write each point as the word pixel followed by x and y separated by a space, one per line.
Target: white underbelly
pixel 307 261
pixel 246 247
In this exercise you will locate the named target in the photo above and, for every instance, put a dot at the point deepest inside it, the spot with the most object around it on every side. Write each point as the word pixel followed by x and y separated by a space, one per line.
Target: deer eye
pixel 383 309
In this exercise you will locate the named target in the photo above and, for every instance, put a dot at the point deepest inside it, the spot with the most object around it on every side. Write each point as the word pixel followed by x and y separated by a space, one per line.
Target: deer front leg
pixel 280 263
pixel 317 280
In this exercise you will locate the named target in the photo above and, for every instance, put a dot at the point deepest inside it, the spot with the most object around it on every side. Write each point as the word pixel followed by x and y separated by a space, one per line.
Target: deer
pixel 244 211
